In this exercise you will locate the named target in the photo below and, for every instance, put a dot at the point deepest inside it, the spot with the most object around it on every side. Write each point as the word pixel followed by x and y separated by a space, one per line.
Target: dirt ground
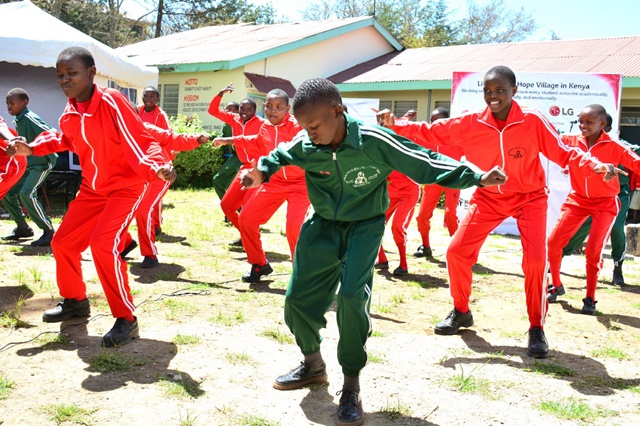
pixel 211 345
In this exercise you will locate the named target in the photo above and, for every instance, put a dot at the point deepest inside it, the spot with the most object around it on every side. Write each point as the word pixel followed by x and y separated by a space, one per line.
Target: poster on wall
pixel 560 97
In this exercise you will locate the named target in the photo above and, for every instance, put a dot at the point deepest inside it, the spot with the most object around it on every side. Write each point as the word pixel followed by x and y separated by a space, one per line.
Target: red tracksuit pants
pixel 233 199
pixel 145 214
pixel 97 220
pixel 402 203
pixel 430 197
pixel 262 205
pixel 156 215
pixel 486 212
pixel 573 213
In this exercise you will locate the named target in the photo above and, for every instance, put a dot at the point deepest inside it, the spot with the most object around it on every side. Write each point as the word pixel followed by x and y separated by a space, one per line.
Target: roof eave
pixel 387 86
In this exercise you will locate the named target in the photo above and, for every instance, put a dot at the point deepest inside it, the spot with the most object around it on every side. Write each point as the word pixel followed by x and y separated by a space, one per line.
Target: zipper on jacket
pixel 335 159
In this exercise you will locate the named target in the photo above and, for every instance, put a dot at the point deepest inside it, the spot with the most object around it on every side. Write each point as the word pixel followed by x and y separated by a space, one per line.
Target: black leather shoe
pixel 128 249
pixel 67 309
pixel 301 376
pixel 149 262
pixel 589 306
pixel 553 292
pixel 618 279
pixel 350 411
pixel 158 232
pixel 123 332
pixel 538 346
pixel 381 265
pixel 253 276
pixel 453 322
pixel 44 240
pixel 400 271
pixel 423 252
pixel 18 233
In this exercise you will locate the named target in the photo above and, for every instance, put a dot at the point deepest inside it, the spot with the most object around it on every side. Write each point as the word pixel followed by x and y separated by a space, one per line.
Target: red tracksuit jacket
pixel 515 149
pixel 268 139
pixel 158 117
pixel 111 158
pixel 251 127
pixel 605 150
pixel 10 166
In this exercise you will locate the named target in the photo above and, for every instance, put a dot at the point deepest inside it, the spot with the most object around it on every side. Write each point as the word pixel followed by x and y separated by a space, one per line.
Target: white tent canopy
pixel 30 36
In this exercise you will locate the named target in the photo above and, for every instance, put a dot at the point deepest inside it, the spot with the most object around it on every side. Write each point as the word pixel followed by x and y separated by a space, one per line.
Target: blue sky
pixel 569 19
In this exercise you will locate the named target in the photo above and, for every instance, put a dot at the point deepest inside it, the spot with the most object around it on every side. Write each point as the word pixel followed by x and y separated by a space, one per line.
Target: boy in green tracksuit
pixel 25 191
pixel 346 163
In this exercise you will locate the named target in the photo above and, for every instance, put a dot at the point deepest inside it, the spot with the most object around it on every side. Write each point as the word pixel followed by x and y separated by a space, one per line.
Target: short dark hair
pixel 279 93
pixel 599 109
pixel 78 52
pixel 609 120
pixel 251 101
pixel 151 89
pixel 502 71
pixel 317 91
pixel 233 104
pixel 18 93
pixel 441 111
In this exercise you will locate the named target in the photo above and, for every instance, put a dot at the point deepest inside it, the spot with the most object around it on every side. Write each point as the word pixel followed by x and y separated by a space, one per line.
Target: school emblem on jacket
pixel 517 152
pixel 361 176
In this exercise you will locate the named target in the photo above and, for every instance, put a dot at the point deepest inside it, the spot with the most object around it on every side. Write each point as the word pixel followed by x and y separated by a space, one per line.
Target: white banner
pixel 561 97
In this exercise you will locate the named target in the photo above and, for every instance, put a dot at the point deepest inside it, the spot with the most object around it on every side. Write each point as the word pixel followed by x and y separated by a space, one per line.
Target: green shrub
pixel 197 167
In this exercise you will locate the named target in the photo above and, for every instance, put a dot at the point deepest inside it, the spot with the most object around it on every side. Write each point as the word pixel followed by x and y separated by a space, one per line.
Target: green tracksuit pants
pixel 329 253
pixel 225 175
pixel 618 235
pixel 25 192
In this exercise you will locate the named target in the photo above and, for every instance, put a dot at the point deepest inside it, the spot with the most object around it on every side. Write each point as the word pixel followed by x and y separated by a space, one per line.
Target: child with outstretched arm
pixel 589 197
pixel 346 163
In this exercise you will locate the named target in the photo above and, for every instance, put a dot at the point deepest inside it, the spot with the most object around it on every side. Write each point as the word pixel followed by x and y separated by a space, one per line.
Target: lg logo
pixel 555 111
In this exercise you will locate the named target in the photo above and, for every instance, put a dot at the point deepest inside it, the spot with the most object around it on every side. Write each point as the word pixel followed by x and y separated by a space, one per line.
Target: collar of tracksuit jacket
pixel 352 139
pixel 21 115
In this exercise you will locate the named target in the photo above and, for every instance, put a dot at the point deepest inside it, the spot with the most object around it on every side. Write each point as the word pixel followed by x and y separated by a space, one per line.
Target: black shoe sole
pixel 537 354
pixel 60 318
pixel 322 378
pixel 112 344
pixel 451 331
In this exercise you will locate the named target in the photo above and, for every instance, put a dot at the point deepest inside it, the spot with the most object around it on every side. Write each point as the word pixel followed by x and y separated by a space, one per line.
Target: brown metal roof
pixel 266 84
pixel 619 55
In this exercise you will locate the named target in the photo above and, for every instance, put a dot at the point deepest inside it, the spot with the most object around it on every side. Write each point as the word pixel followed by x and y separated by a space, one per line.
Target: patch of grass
pixel 5 387
pixel 247 296
pixel 551 369
pixel 178 308
pixel 227 320
pixel 179 387
pixel 52 341
pixel 69 413
pixel 608 352
pixel 36 274
pixel 278 336
pixel 252 420
pixel 385 309
pixel 572 409
pixel 395 410
pixel 186 340
pixel 468 383
pixel 377 333
pixel 11 318
pixel 376 359
pixel 188 420
pixel 20 276
pixel 239 358
pixel 110 361
pixel 397 299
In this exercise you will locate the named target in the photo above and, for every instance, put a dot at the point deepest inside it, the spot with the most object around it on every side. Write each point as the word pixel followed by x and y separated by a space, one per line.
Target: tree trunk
pixel 159 18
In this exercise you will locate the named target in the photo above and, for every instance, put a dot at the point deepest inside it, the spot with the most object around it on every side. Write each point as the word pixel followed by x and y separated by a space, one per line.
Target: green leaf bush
pixel 197 167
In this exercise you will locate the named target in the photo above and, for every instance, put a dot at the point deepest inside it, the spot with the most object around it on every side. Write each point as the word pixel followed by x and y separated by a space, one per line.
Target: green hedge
pixel 195 168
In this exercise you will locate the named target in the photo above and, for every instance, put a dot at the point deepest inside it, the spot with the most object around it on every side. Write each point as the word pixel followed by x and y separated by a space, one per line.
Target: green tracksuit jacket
pixel 339 243
pixel 29 125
